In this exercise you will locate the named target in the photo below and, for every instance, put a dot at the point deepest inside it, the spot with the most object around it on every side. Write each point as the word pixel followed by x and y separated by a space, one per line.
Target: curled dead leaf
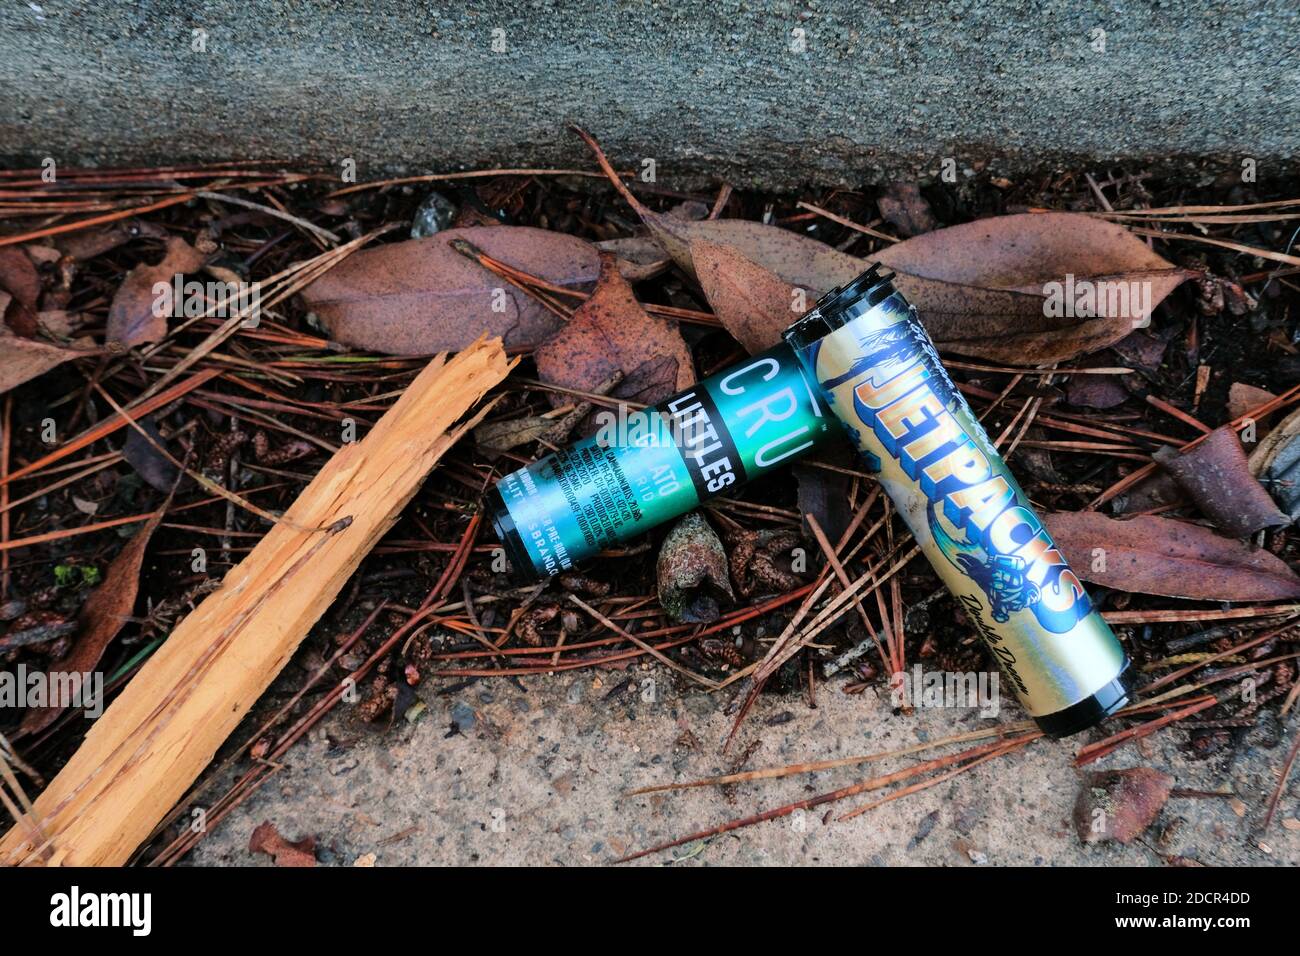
pixel 144 455
pixel 796 259
pixel 267 839
pixel 1155 492
pixel 1025 251
pixel 986 289
pixel 133 316
pixel 752 303
pixel 89 243
pixel 1216 476
pixel 1120 804
pixel 1096 391
pixel 511 432
pixel 24 359
pixel 639 257
pixel 19 278
pixel 610 333
pixel 101 618
pixel 1113 275
pixel 1242 397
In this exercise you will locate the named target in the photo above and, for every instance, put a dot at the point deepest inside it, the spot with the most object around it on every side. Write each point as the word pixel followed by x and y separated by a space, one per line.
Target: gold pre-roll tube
pixel 865 347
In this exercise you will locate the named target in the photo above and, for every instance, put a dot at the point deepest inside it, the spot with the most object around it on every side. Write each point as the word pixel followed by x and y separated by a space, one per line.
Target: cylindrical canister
pixel 645 467
pixel 881 376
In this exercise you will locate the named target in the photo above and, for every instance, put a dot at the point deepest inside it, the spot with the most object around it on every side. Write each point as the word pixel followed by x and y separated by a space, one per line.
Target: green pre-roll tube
pixel 880 374
pixel 645 467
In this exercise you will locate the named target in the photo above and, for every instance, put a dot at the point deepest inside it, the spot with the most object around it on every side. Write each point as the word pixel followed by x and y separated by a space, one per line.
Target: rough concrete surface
pixel 538 777
pixel 716 89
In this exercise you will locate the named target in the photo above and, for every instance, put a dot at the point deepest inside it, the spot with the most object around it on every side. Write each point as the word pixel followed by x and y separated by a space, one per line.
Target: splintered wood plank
pixel 147 749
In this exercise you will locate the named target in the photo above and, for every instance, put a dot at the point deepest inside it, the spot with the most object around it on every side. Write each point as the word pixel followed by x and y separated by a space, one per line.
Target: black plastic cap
pixel 521 565
pixel 842 305
pixel 1091 710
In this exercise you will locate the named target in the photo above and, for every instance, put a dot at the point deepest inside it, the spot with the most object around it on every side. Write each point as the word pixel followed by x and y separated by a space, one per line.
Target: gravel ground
pixel 537 777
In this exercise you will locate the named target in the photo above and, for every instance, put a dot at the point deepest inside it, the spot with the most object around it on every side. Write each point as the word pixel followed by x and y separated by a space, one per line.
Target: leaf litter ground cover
pixel 144 454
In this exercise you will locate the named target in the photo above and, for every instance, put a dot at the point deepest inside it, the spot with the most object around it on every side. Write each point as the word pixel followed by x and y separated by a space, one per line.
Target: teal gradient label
pixel 645 467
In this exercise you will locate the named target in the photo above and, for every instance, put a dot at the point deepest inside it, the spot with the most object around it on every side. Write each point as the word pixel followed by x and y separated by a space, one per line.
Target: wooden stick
pixel 148 748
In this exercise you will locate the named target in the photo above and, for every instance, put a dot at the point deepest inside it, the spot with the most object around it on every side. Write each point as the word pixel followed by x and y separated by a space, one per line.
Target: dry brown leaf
pixel 144 456
pixel 1024 253
pixel 1096 391
pixel 639 257
pixel 751 302
pixel 979 287
pixel 23 359
pixel 62 325
pixel 19 278
pixel 511 432
pixel 1154 555
pixel 1001 325
pixel 1026 250
pixel 133 318
pixel 421 296
pixel 1120 804
pixel 1141 351
pixel 267 839
pixel 1216 475
pixel 795 259
pixel 1156 492
pixel 101 618
pixel 611 333
pixel 1242 397
pixel 88 243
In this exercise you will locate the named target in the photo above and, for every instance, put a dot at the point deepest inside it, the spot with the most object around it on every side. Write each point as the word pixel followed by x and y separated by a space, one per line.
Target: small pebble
pixel 462 715
pixel 435 214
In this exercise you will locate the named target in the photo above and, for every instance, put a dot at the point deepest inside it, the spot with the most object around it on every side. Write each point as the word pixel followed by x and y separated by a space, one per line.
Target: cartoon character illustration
pixel 1000 576
pixel 1002 579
